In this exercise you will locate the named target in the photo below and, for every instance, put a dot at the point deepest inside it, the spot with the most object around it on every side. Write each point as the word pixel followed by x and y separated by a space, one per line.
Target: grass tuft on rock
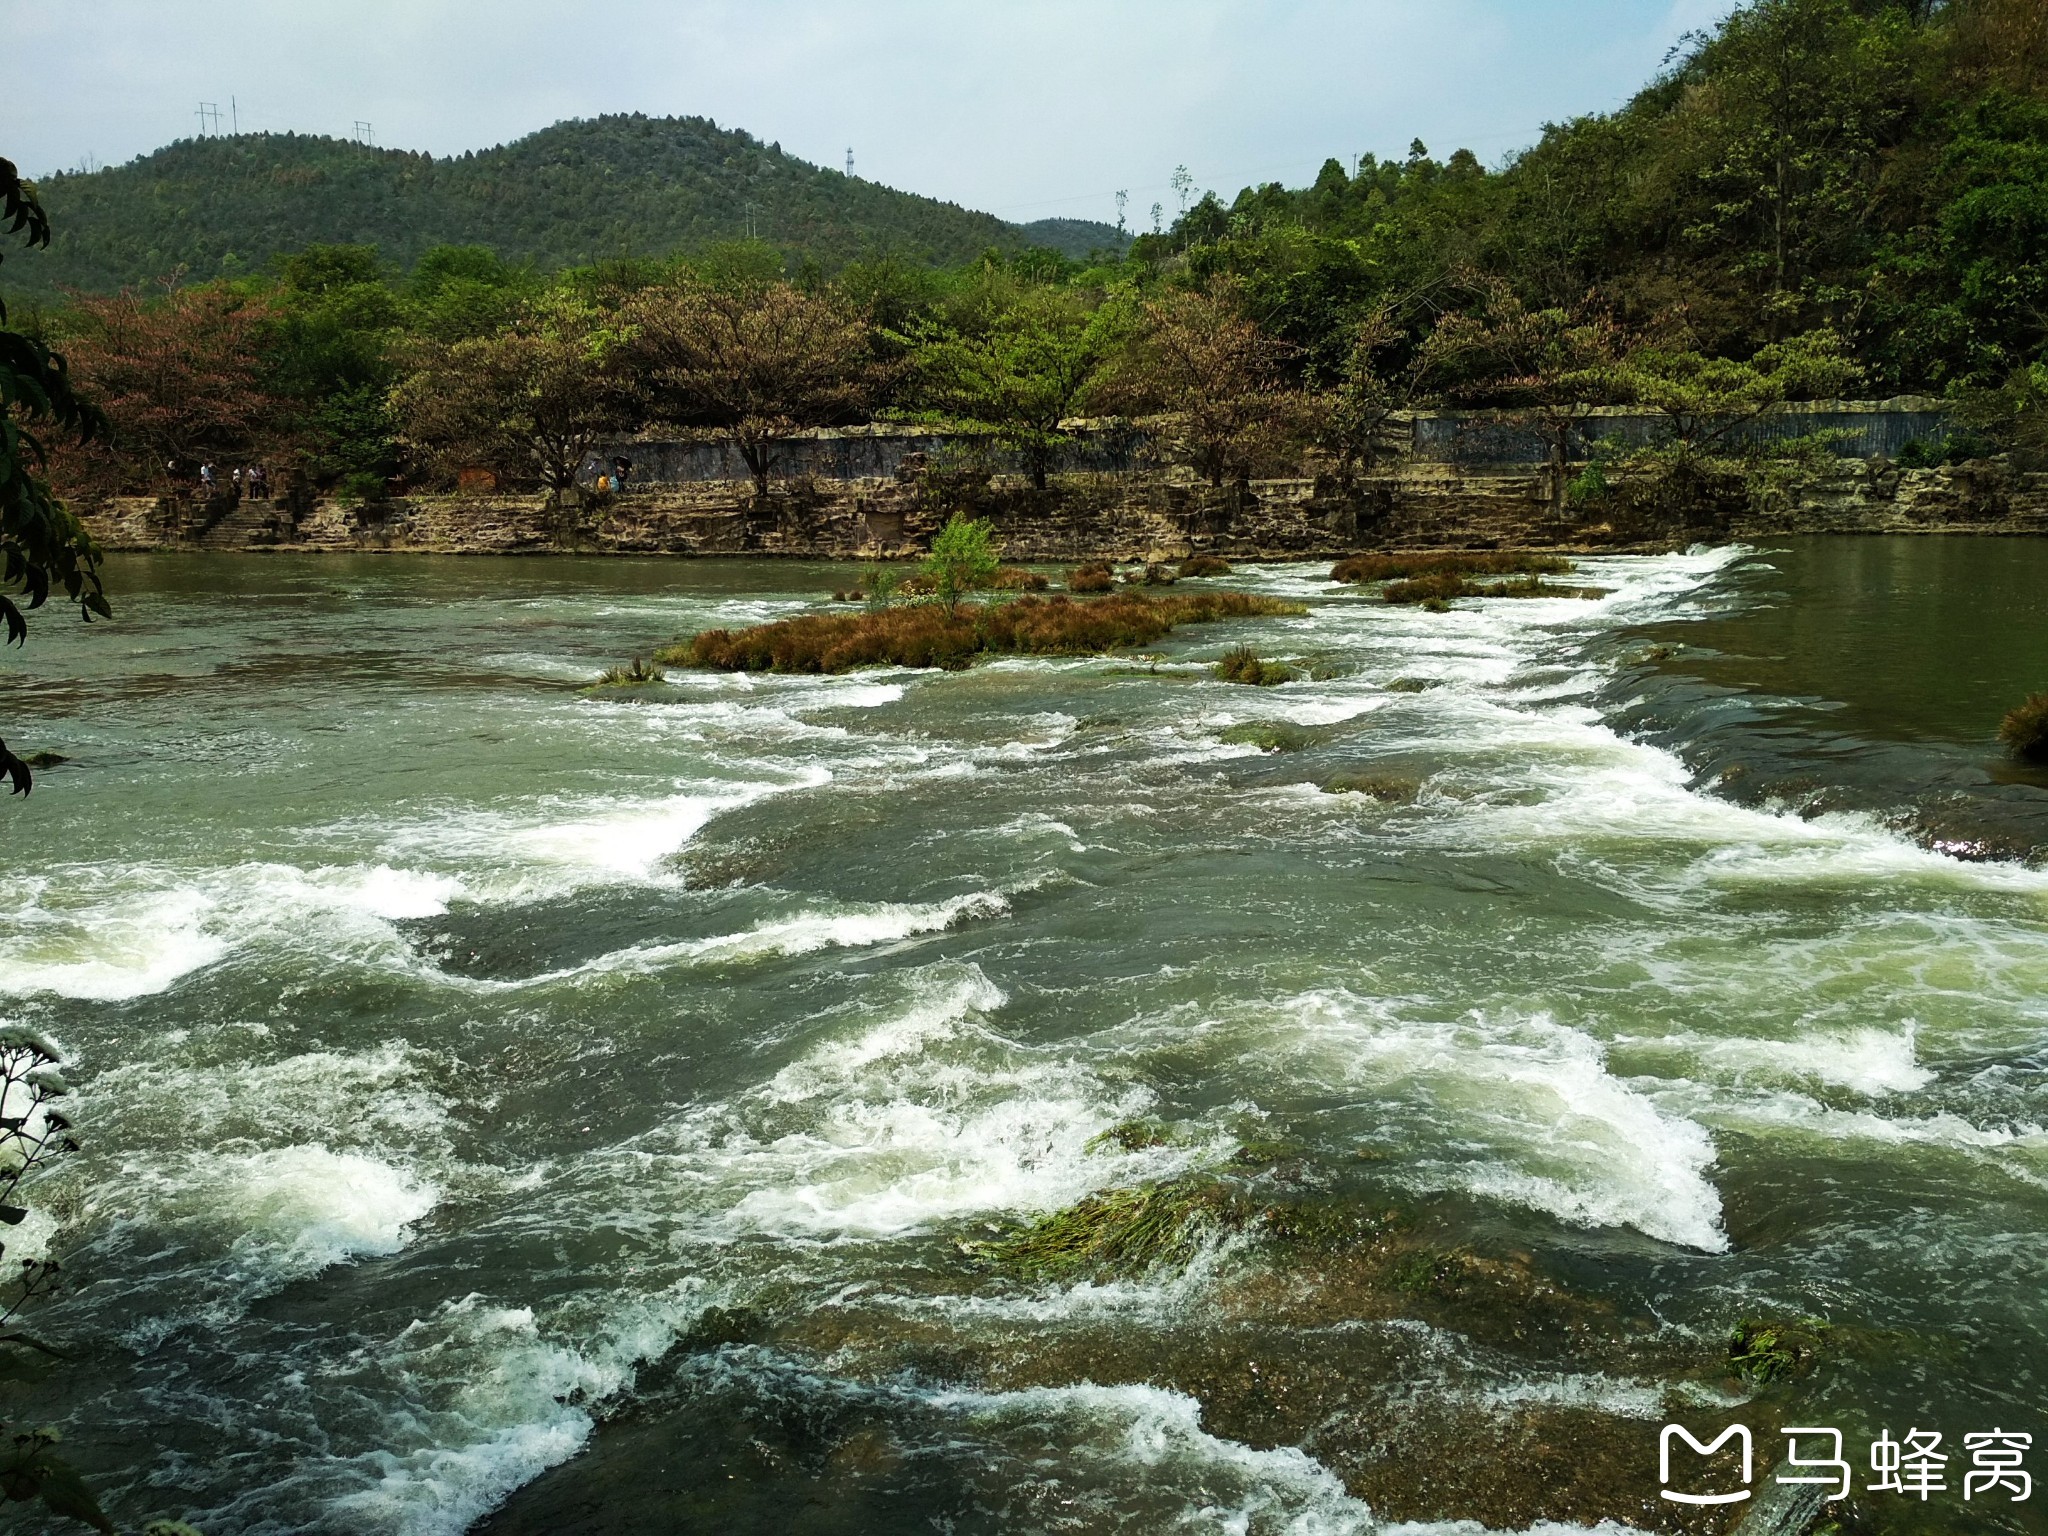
pixel 931 635
pixel 1361 569
pixel 639 673
pixel 1269 736
pixel 2024 731
pixel 1094 577
pixel 1388 789
pixel 1203 565
pixel 1132 1136
pixel 1244 665
pixel 1766 1350
pixel 1118 1231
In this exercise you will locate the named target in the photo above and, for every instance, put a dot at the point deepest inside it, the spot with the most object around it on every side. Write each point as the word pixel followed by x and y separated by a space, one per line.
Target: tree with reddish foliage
pixel 184 378
pixel 530 400
pixel 1201 361
pixel 755 361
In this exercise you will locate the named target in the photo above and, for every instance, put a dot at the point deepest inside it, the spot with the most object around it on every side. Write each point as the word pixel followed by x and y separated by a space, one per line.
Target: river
pixel 479 1078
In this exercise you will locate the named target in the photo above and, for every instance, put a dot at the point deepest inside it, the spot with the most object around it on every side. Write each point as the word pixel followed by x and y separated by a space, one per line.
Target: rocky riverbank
pixel 1082 516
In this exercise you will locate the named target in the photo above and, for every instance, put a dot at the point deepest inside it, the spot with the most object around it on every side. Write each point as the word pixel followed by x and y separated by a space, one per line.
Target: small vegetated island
pixel 946 632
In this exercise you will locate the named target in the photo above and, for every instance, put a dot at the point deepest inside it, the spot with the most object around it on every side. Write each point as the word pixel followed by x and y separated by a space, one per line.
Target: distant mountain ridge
pixel 581 191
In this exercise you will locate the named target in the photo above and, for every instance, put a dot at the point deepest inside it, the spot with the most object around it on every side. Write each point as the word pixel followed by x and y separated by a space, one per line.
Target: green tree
pixel 1784 131
pixel 43 546
pixel 1025 371
pixel 964 558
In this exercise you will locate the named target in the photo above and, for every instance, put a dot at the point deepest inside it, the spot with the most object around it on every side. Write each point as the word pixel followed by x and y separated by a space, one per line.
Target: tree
pixel 1705 400
pixel 1797 100
pixel 1024 370
pixel 1198 358
pixel 534 398
pixel 43 546
pixel 755 361
pixel 1554 367
pixel 1370 388
pixel 184 376
pixel 964 557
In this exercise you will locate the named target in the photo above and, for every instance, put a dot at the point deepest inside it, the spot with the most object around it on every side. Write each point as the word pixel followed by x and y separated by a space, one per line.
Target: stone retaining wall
pixel 1113 516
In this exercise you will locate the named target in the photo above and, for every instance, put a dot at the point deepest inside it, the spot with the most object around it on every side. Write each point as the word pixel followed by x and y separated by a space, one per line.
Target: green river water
pixel 505 1105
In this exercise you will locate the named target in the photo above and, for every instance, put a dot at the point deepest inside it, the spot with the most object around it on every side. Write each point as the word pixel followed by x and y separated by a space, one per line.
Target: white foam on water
pixel 500 1404
pixel 850 926
pixel 1156 1435
pixel 124 932
pixel 919 1118
pixel 132 944
pixel 1474 1528
pixel 302 1209
pixel 566 845
pixel 1870 1061
pixel 1518 1109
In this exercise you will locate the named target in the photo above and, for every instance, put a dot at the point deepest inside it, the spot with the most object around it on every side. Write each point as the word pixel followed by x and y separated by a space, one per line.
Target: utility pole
pixel 234 118
pixel 1121 199
pixel 750 220
pixel 849 162
pixel 209 118
pixel 365 133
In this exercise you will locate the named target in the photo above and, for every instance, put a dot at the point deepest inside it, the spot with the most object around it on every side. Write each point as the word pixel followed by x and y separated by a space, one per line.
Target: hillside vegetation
pixel 1819 199
pixel 570 195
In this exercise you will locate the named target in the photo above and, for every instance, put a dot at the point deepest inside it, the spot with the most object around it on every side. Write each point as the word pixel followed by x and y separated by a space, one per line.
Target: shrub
pixel 358 488
pixel 634 675
pixel 1014 578
pixel 1095 577
pixel 1460 562
pixel 1244 665
pixel 930 635
pixel 2025 729
pixel 963 558
pixel 1203 565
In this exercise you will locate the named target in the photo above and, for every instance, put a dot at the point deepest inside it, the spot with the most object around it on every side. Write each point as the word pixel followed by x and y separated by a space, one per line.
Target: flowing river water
pixel 491 1091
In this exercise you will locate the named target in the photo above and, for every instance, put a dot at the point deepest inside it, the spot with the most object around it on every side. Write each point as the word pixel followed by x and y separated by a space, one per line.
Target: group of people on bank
pixel 252 482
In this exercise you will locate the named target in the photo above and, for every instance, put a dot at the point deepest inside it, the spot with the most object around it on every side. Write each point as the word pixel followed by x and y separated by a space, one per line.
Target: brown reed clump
pixel 1360 569
pixel 1014 578
pixel 1244 665
pixel 2024 731
pixel 927 635
pixel 1094 577
pixel 1203 565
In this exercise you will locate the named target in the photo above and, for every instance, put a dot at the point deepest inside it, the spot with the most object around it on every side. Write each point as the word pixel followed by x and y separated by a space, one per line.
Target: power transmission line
pixel 209 118
pixel 365 133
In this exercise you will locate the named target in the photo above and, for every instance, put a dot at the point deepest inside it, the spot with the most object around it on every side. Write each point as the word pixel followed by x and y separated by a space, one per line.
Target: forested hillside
pixel 1878 168
pixel 570 195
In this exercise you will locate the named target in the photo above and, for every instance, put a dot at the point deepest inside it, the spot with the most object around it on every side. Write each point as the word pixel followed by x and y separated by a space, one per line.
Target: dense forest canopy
pixel 573 194
pixel 1817 198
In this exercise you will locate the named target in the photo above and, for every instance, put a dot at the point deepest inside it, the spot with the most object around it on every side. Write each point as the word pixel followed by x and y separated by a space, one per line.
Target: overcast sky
pixel 1026 108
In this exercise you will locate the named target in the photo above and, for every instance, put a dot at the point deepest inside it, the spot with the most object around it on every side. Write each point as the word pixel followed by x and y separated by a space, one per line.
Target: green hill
pixel 575 193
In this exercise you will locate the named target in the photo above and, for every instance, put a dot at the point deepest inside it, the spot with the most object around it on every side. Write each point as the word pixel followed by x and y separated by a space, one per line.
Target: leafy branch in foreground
pixel 43 547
